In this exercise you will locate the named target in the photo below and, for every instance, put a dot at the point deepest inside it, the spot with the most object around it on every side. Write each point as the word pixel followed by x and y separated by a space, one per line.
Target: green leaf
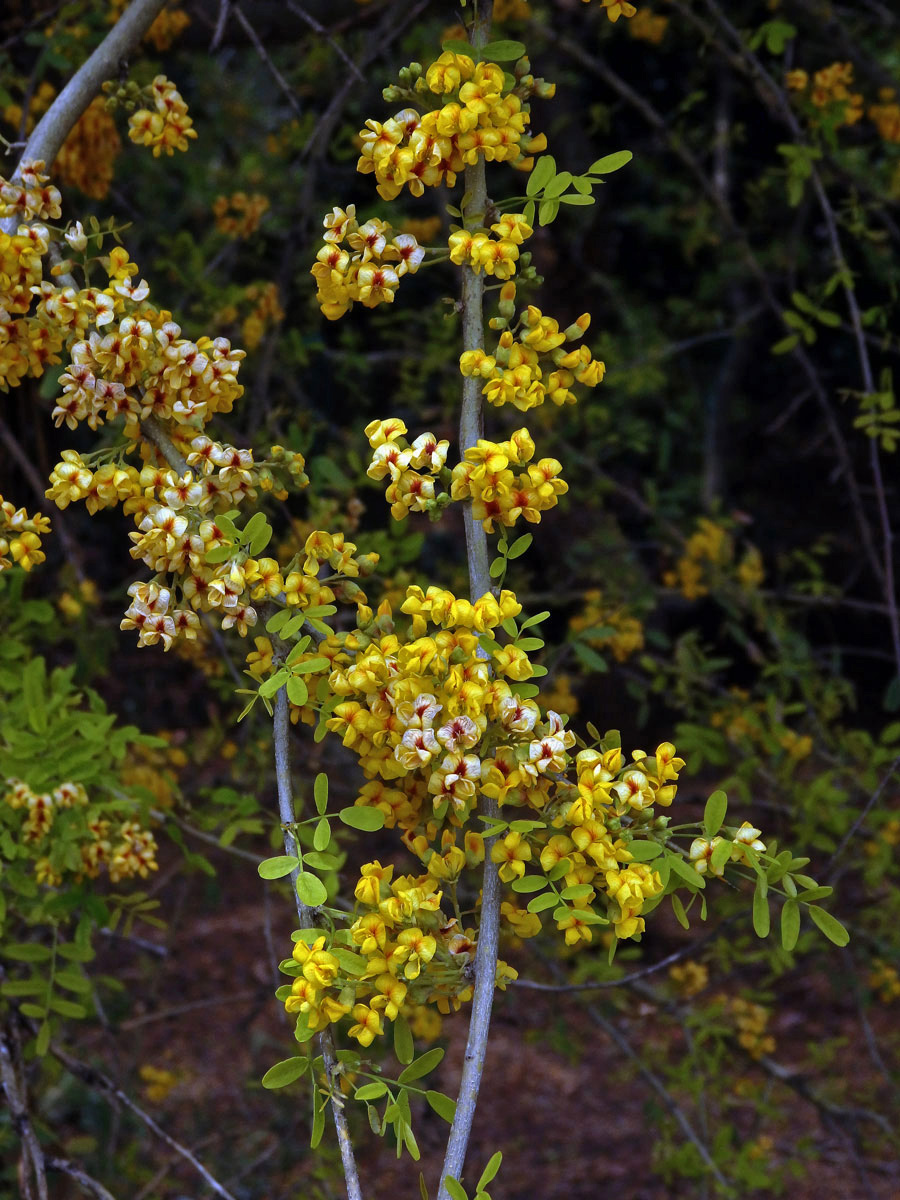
pixel 538 904
pixel 442 1105
pixel 529 883
pixel 455 1189
pixel 370 1091
pixel 544 171
pixel 610 163
pixel 322 835
pixel 311 665
pixel 829 925
pixel 320 862
pixel 678 909
pixel 489 1171
pixel 318 1127
pixel 270 686
pixel 503 51
pixel 536 620
pixel 790 924
pixel 761 915
pixel 720 856
pixel 575 198
pixel 284 1072
pixel 644 851
pixel 298 692
pixel 455 46
pixel 25 952
pixel 520 545
pixel 497 567
pixel 278 867
pixel 547 211
pixel 421 1066
pixel 404 1046
pixel 311 889
pixel 714 813
pixel 359 817
pixel 320 794
pixel 42 1041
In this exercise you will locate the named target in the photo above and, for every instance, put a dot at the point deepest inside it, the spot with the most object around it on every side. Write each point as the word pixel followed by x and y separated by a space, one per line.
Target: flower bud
pixel 76 236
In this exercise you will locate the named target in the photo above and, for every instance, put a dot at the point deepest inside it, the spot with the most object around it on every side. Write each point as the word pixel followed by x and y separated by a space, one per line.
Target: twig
pixel 625 980
pixel 311 21
pixel 154 432
pixel 307 915
pixel 102 1083
pixel 31 1165
pixel 286 89
pixel 867 808
pixel 57 122
pixel 88 1184
pixel 178 1010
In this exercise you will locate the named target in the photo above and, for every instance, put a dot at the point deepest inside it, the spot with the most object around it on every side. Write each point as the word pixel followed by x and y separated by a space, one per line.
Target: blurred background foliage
pixel 722 565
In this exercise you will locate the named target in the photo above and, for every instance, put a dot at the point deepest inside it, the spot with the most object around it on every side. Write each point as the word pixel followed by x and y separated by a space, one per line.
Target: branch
pixel 87 1183
pixel 471 428
pixel 307 915
pixel 102 1083
pixel 31 1164
pixel 57 122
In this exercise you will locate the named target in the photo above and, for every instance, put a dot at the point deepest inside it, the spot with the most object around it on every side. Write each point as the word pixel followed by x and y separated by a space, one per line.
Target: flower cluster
pixel 602 624
pixel 497 494
pixel 689 979
pixel 479 114
pixel 830 89
pixel 886 115
pixel 615 8
pixel 20 536
pixel 88 156
pixel 164 124
pixel 401 951
pixel 368 269
pixel 239 215
pixel 170 23
pixel 703 849
pixel 885 980
pixel 88 837
pixel 751 1021
pixel 496 256
pixel 648 26
pixel 408 490
pixel 513 374
pixel 436 720
pixel 710 557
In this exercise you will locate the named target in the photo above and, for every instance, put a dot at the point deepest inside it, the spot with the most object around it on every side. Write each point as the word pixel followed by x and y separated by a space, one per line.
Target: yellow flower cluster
pixel 478 115
pixel 88 156
pixel 702 849
pixel 886 115
pixel 157 1083
pixel 615 8
pixel 689 979
pixel 885 980
pixel 238 215
pixel 20 536
pixel 88 837
pixel 400 952
pixel 751 1021
pixel 408 490
pixel 497 494
pixel 170 23
pixel 27 344
pixel 830 89
pixel 709 558
pixel 648 26
pixel 496 256
pixel 623 634
pixel 369 269
pixel 513 374
pixel 435 720
pixel 265 312
pixel 166 125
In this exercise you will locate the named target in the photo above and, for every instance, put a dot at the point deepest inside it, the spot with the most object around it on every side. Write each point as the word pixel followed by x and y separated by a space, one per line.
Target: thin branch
pixel 286 89
pixel 307 915
pixel 339 50
pixel 31 1165
pixel 857 824
pixel 57 122
pixel 154 432
pixel 87 1183
pixel 471 428
pixel 625 980
pixel 99 1082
